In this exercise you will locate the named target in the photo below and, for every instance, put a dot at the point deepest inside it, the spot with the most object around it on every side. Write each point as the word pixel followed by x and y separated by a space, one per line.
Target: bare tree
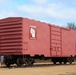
pixel 71 26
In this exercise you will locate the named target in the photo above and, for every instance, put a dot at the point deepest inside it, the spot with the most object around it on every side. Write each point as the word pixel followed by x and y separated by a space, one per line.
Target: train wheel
pixel 60 62
pixel 19 62
pixel 70 60
pixel 65 61
pixel 7 62
pixel 54 62
pixel 29 61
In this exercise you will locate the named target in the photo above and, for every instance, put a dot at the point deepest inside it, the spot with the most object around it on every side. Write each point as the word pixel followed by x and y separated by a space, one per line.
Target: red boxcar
pixel 23 39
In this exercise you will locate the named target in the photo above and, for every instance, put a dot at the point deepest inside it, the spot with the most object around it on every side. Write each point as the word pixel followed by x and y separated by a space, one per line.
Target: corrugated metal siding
pixel 11 35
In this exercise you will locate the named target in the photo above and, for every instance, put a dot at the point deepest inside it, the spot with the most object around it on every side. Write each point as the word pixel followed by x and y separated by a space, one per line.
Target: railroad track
pixel 40 65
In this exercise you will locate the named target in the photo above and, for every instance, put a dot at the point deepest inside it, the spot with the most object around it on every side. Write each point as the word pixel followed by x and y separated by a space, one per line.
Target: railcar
pixel 23 40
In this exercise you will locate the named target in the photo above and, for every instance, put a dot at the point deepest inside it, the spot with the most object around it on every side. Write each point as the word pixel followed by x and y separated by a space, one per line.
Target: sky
pixel 58 12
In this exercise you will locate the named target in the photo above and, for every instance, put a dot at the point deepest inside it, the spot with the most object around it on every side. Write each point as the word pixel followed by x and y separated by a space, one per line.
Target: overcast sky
pixel 58 12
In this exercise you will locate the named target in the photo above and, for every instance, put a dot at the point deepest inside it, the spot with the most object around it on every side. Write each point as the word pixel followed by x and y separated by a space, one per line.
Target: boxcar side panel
pixel 36 38
pixel 68 42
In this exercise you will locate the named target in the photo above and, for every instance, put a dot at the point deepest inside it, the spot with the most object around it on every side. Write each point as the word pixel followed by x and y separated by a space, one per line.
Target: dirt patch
pixel 41 69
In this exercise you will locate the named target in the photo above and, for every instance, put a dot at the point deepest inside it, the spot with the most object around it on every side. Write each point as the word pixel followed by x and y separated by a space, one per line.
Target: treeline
pixel 71 26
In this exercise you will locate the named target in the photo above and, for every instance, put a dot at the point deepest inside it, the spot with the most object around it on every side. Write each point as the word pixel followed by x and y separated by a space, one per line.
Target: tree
pixel 71 26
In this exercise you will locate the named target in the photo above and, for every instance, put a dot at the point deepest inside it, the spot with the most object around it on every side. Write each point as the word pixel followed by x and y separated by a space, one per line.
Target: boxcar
pixel 23 40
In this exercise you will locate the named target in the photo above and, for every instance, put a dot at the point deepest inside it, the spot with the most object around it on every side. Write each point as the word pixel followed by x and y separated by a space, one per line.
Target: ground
pixel 41 69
